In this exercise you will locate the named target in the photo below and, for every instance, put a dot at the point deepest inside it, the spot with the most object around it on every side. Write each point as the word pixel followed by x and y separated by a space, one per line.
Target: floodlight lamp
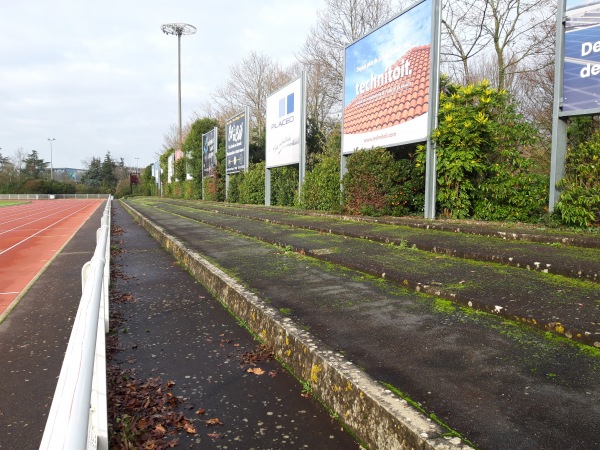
pixel 178 29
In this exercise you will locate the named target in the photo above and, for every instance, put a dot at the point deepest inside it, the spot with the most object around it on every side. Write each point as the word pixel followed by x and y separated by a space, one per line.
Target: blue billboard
pixel 581 65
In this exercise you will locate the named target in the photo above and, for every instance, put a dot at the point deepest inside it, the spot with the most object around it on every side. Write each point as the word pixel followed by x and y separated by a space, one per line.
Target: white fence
pixel 50 196
pixel 78 416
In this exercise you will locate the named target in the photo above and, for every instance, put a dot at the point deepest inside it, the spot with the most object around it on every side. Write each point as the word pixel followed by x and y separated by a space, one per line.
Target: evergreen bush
pixel 579 203
pixel 252 186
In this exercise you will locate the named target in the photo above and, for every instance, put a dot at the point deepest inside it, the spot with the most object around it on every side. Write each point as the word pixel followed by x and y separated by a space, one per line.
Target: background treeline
pixel 30 174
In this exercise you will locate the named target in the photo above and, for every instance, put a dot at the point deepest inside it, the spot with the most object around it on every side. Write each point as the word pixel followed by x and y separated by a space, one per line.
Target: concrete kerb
pixel 378 417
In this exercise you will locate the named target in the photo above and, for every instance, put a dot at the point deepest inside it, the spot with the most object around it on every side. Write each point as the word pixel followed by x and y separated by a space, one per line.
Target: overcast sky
pixel 101 76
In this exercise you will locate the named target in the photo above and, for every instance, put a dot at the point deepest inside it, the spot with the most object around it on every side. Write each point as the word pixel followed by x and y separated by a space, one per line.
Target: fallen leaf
pixel 273 373
pixel 201 411
pixel 215 435
pixel 189 428
pixel 256 370
pixel 214 421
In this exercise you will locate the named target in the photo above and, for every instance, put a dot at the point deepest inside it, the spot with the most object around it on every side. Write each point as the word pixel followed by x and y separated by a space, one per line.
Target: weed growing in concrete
pixel 450 432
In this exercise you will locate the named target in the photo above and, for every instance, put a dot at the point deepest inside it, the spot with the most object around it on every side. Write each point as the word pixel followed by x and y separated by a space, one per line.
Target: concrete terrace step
pixel 356 338
pixel 567 307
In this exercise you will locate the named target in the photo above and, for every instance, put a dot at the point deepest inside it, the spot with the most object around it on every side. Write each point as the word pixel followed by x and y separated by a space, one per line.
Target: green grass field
pixel 11 202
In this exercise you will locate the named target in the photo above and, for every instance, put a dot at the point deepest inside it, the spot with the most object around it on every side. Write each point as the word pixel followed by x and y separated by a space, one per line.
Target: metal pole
pixel 559 125
pixel 434 91
pixel 179 86
pixel 51 168
pixel 178 29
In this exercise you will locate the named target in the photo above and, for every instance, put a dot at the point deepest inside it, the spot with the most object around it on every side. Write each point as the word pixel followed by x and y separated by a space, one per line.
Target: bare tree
pixel 18 161
pixel 249 84
pixel 339 24
pixel 462 37
pixel 521 33
pixel 171 138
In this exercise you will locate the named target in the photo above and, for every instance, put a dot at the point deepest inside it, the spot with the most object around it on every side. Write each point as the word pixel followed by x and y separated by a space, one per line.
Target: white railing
pixel 78 416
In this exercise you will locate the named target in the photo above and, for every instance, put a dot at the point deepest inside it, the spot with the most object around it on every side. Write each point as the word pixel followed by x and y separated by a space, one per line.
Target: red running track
pixel 31 235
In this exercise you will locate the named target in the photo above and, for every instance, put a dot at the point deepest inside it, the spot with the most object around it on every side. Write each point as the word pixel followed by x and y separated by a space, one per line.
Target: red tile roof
pixel 394 102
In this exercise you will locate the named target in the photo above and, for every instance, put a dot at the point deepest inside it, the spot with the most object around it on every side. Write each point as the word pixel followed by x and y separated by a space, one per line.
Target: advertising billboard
pixel 156 172
pixel 236 142
pixel 209 152
pixel 284 125
pixel 386 83
pixel 581 65
pixel 171 168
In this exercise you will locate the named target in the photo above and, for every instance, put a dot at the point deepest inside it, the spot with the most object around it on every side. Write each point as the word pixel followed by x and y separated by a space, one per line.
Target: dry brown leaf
pixel 215 435
pixel 214 421
pixel 189 428
pixel 200 411
pixel 256 370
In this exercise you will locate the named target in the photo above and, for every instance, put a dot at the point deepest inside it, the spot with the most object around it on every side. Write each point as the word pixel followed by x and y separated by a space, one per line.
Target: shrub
pixel 321 187
pixel 233 192
pixel 252 186
pixel 478 142
pixel 284 185
pixel 179 171
pixel 579 203
pixel 512 191
pixel 210 188
pixel 376 184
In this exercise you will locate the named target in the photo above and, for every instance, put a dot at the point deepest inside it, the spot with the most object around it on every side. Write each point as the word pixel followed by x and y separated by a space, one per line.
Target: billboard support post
pixel 559 125
pixel 302 162
pixel 434 93
pixel 268 187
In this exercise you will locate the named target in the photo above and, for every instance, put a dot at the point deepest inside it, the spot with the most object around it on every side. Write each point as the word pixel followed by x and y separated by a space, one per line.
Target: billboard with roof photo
pixel 581 70
pixel 386 83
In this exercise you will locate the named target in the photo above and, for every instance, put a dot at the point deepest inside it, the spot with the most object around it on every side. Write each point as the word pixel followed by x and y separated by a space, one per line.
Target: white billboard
pixel 386 83
pixel 284 125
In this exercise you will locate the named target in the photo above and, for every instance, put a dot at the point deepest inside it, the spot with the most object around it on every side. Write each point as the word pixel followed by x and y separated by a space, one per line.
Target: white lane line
pixel 44 229
pixel 52 213
pixel 30 212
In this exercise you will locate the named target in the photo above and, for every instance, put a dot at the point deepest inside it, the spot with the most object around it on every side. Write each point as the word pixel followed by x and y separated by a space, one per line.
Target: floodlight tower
pixel 51 168
pixel 178 29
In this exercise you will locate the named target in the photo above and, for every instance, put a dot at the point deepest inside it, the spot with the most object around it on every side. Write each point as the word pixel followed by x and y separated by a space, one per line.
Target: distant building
pixel 67 174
